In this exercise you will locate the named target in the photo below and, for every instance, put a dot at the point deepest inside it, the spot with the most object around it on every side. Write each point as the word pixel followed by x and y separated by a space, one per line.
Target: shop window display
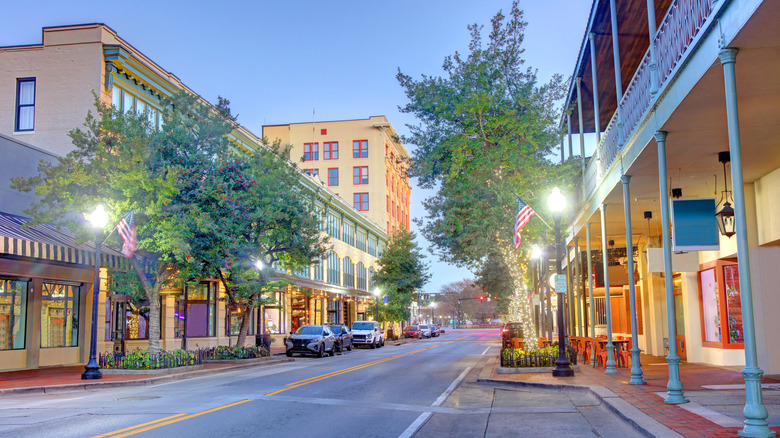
pixel 721 304
pixel 13 311
pixel 59 315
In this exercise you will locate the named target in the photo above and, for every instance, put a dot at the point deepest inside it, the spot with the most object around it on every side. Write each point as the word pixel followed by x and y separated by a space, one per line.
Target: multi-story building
pixel 361 160
pixel 667 85
pixel 46 278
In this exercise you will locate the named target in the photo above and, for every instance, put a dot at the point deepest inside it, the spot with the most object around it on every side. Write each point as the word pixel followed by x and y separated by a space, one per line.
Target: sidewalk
pixel 644 406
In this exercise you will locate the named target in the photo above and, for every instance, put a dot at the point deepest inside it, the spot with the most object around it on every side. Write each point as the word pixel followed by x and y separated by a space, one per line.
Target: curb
pixel 642 422
pixel 136 382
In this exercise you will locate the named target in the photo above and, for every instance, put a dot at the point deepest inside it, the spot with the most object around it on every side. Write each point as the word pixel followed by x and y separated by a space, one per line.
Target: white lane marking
pixel 412 429
pixel 486 350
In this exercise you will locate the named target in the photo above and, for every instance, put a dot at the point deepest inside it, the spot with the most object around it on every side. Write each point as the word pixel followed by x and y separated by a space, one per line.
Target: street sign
pixel 560 283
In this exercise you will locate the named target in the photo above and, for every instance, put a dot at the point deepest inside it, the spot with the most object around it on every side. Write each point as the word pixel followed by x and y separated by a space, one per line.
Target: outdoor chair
pixel 625 353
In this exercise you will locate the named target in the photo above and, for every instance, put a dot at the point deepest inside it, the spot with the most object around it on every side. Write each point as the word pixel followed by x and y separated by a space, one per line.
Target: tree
pixel 470 306
pixel 494 278
pixel 486 133
pixel 401 273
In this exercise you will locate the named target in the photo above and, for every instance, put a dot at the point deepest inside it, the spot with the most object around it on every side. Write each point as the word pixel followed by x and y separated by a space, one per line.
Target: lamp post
pixel 556 203
pixel 433 312
pixel 376 294
pixel 98 218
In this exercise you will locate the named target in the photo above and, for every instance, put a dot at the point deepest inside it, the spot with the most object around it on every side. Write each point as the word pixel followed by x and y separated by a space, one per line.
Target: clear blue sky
pixel 276 60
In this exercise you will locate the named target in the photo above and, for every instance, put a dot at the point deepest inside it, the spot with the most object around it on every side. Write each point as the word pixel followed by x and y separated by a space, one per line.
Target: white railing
pixel 678 29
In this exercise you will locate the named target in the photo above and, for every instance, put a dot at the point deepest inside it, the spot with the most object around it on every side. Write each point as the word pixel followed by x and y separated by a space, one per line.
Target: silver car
pixel 426 330
pixel 311 339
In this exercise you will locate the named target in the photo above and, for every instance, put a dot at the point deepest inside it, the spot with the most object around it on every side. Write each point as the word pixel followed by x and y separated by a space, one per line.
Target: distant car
pixel 511 330
pixel 426 330
pixel 434 330
pixel 412 331
pixel 367 333
pixel 311 339
pixel 343 337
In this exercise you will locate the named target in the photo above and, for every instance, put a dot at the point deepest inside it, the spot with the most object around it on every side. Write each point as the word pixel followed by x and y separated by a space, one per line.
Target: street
pixel 424 388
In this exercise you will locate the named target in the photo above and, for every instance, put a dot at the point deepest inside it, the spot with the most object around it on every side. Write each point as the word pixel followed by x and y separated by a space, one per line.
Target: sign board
pixel 560 283
pixel 694 225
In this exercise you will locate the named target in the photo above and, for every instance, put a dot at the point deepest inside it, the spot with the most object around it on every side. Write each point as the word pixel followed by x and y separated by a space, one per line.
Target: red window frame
pixel 360 175
pixel 330 150
pixel 333 180
pixel 360 149
pixel 360 201
pixel 309 153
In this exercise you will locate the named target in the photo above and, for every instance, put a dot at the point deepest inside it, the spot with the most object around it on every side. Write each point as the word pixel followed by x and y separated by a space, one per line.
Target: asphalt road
pixel 424 388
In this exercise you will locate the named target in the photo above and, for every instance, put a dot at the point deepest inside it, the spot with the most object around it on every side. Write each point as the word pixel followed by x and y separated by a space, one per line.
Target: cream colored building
pixel 361 160
pixel 45 278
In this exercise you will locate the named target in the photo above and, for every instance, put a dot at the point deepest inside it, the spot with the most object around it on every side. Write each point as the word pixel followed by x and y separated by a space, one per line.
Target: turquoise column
pixel 618 75
pixel 590 292
pixel 610 346
pixel 582 134
pixel 578 286
pixel 755 412
pixel 652 29
pixel 568 126
pixel 596 120
pixel 636 366
pixel 674 386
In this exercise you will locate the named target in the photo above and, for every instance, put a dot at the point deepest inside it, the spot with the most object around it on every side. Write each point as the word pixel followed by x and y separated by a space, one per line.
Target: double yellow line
pixel 181 417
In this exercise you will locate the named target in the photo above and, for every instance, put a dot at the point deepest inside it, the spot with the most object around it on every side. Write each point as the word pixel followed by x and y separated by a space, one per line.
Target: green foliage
pixel 487 132
pixel 494 278
pixel 144 360
pixel 541 357
pixel 401 273
pixel 224 352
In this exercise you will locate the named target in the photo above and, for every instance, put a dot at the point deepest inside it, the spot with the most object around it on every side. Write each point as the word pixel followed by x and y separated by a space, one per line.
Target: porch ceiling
pixel 697 131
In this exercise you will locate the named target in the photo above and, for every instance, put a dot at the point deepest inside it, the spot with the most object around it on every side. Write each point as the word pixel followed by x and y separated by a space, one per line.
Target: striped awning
pixel 47 243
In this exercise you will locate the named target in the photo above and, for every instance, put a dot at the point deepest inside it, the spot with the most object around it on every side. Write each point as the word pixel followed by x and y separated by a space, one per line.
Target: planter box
pixel 530 370
pixel 252 360
pixel 157 372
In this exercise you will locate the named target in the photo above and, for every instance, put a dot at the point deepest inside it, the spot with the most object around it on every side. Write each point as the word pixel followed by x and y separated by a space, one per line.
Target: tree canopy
pixel 402 272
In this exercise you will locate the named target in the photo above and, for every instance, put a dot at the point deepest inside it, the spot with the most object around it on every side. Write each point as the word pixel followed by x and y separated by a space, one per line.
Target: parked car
pixel 412 331
pixel 367 333
pixel 434 330
pixel 311 339
pixel 343 337
pixel 426 330
pixel 511 330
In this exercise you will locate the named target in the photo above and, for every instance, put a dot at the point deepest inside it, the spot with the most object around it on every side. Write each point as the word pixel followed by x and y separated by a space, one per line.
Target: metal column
pixel 578 287
pixel 652 29
pixel 618 75
pixel 568 126
pixel 596 120
pixel 636 366
pixel 608 305
pixel 590 291
pixel 582 134
pixel 755 412
pixel 674 394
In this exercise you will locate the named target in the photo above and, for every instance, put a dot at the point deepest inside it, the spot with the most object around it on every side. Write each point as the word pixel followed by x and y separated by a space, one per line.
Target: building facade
pixel 693 78
pixel 46 90
pixel 361 160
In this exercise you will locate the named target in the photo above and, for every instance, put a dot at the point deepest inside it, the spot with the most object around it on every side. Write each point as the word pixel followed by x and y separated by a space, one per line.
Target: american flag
pixel 524 214
pixel 126 230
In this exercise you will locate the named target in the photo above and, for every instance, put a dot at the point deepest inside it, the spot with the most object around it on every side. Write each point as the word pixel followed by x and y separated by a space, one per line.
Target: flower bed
pixel 543 357
pixel 142 360
pixel 226 353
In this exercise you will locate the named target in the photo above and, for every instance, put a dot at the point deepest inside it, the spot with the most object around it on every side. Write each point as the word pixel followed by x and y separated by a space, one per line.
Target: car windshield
pixel 414 327
pixel 309 330
pixel 423 327
pixel 363 326
pixel 335 328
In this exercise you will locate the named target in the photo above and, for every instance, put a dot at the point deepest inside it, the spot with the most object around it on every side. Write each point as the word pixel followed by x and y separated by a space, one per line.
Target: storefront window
pixel 710 306
pixel 136 323
pixel 721 306
pixel 236 317
pixel 733 303
pixel 273 319
pixel 13 310
pixel 201 309
pixel 59 315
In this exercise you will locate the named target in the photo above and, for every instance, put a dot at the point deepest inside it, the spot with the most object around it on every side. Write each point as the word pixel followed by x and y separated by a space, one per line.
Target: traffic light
pixel 481 298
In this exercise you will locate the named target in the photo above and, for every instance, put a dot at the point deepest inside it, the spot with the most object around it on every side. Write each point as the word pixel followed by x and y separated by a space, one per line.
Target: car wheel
pixel 321 351
pixel 288 354
pixel 349 347
pixel 373 345
pixel 383 343
pixel 338 347
pixel 332 351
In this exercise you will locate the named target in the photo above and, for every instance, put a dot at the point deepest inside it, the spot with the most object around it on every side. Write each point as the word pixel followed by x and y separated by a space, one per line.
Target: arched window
pixel 360 276
pixel 334 268
pixel 349 273
pixel 371 273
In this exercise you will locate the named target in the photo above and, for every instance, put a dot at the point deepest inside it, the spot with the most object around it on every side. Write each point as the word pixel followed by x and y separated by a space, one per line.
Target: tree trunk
pixel 245 321
pixel 154 322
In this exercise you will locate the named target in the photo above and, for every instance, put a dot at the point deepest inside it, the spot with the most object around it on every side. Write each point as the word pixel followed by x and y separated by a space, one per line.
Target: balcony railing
pixel 678 29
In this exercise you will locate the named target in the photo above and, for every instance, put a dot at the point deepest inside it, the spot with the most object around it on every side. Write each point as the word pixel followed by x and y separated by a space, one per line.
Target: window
pixel 318 212
pixel 13 314
pixel 60 315
pixel 721 306
pixel 360 240
pixel 235 317
pixel 388 203
pixel 303 272
pixel 360 276
pixel 349 273
pixel 312 172
pixel 334 268
pixel 201 309
pixel 334 226
pixel 371 273
pixel 380 249
pixel 311 151
pixel 25 104
pixel 318 268
pixel 360 175
pixel 333 176
pixel 360 201
pixel 349 233
pixel 330 150
pixel 372 245
pixel 136 323
pixel 360 149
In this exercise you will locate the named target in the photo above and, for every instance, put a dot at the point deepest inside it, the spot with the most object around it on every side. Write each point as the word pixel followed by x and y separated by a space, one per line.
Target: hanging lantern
pixel 725 216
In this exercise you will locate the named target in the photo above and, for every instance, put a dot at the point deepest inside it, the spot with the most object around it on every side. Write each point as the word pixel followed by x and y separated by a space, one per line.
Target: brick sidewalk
pixel 643 397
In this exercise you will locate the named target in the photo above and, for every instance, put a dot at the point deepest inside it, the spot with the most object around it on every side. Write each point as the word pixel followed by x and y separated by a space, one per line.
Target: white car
pixel 367 333
pixel 426 330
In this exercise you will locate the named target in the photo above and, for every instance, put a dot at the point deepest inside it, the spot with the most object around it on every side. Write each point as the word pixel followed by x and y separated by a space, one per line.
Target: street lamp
pixel 433 312
pixel 556 203
pixel 376 294
pixel 98 218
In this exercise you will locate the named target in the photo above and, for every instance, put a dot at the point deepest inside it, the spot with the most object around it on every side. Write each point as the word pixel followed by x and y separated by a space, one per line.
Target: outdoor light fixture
pixel 259 264
pixel 726 214
pixel 677 193
pixel 98 219
pixel 556 202
pixel 536 252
